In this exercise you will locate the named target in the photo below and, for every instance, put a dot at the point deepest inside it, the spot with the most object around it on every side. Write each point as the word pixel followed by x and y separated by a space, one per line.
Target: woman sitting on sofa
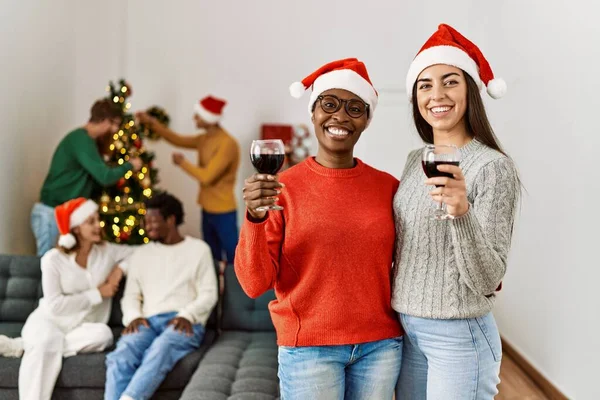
pixel 79 279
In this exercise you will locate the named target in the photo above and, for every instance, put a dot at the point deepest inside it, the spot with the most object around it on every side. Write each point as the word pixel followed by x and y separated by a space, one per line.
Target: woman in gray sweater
pixel 448 270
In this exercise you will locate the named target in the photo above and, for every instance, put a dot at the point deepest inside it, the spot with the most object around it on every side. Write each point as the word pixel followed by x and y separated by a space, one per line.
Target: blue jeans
pixel 43 225
pixel 220 232
pixel 450 359
pixel 141 360
pixel 355 372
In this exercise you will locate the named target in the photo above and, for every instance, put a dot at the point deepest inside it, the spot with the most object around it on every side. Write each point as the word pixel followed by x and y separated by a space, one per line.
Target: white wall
pixel 549 306
pixel 56 61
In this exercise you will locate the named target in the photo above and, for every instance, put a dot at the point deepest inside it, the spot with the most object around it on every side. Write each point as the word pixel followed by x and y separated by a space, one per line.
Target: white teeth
pixel 440 109
pixel 337 131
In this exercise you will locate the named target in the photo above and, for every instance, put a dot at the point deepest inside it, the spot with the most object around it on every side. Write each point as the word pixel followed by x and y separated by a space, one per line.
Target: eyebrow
pixel 443 77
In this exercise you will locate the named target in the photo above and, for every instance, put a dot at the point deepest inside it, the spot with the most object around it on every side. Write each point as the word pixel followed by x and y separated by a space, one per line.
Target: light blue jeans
pixel 43 225
pixel 450 359
pixel 353 372
pixel 141 360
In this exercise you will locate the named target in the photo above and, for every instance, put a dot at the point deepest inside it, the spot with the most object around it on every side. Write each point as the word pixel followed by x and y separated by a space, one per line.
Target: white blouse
pixel 71 294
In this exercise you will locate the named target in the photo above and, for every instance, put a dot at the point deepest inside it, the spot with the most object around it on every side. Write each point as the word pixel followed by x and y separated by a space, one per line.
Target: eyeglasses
pixel 354 108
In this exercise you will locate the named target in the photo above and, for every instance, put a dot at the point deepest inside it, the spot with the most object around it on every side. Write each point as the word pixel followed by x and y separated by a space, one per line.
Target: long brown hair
pixel 476 120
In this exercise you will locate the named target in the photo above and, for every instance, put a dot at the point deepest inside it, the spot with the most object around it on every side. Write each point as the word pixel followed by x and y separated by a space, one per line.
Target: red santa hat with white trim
pixel 448 46
pixel 349 74
pixel 210 109
pixel 71 214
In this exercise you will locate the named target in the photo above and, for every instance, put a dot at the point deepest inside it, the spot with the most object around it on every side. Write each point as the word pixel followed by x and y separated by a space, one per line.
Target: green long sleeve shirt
pixel 76 168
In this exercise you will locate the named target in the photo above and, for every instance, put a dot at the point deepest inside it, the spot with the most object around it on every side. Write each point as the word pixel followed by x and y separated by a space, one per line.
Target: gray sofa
pixel 242 362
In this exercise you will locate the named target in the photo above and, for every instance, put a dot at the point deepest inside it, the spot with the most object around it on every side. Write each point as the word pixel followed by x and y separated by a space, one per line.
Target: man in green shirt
pixel 76 169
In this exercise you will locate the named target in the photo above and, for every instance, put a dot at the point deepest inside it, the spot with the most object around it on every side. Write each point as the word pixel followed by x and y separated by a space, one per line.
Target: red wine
pixel 430 168
pixel 267 163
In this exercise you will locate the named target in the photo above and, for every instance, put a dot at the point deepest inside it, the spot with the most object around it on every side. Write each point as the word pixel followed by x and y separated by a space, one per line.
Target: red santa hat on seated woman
pixel 71 214
pixel 349 74
pixel 448 46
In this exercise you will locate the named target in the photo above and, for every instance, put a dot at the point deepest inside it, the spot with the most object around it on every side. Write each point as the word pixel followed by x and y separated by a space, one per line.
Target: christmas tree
pixel 122 205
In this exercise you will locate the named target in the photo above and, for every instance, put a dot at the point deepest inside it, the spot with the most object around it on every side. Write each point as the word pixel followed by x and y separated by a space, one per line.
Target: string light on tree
pixel 121 206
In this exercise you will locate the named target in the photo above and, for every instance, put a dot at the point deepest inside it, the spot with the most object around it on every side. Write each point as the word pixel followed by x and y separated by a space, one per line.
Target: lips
pixel 337 132
pixel 440 111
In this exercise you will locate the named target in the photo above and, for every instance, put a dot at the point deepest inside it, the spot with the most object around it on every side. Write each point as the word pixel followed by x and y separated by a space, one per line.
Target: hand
pixel 178 158
pixel 261 190
pixel 108 290
pixel 115 276
pixel 454 190
pixel 134 326
pixel 182 325
pixel 136 163
pixel 145 118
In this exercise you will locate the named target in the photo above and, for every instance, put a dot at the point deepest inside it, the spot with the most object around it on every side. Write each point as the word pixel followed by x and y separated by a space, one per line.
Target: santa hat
pixel 71 214
pixel 447 46
pixel 349 74
pixel 210 109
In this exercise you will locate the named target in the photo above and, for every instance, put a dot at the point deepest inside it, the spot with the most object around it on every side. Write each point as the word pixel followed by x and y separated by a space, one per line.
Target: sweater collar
pixel 335 172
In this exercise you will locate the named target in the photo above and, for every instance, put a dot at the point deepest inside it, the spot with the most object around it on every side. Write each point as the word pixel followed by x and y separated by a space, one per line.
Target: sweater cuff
pixel 466 226
pixel 255 231
pixel 94 296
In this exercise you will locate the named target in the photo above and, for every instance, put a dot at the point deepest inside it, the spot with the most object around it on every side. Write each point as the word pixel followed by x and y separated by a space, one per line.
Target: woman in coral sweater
pixel 329 253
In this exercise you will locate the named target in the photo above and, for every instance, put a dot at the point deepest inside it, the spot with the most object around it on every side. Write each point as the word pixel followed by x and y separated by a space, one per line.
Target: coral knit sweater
pixel 328 255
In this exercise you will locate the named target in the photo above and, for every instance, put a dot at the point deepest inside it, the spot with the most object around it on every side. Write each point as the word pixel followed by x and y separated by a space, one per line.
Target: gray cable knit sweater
pixel 448 269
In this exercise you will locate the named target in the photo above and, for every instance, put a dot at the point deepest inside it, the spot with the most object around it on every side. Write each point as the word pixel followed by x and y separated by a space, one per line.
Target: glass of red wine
pixel 434 155
pixel 267 156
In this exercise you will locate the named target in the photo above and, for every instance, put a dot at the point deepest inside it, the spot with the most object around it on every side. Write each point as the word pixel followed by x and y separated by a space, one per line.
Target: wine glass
pixel 434 155
pixel 267 156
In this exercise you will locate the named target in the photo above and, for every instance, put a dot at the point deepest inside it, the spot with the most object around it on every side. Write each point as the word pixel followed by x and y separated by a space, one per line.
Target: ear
pixel 171 221
pixel 312 117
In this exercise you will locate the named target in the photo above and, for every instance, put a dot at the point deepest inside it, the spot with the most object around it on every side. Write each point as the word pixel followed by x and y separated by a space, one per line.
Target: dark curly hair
pixel 168 205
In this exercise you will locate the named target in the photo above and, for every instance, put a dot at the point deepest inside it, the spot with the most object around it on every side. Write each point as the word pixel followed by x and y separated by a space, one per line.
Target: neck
pixel 84 248
pixel 173 237
pixel 91 130
pixel 457 136
pixel 335 160
pixel 213 129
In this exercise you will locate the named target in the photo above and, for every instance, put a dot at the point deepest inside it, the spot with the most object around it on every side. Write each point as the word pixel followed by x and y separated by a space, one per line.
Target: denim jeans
pixel 220 232
pixel 356 372
pixel 450 359
pixel 141 361
pixel 43 225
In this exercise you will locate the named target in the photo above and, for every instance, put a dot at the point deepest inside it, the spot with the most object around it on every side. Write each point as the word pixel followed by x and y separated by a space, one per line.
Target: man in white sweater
pixel 170 292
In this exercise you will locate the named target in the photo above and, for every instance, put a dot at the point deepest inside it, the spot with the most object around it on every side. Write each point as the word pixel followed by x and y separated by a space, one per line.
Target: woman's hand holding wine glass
pixel 261 189
pixel 260 193
pixel 451 191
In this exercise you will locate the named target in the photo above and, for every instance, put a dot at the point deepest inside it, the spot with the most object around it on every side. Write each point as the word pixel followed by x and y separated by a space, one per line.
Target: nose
pixel 341 115
pixel 438 92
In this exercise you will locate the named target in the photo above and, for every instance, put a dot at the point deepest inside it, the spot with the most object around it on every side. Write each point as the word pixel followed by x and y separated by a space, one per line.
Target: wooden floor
pixel 515 384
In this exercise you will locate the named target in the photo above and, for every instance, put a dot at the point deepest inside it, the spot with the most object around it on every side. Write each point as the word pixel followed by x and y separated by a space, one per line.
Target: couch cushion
pixel 240 365
pixel 89 370
pixel 20 287
pixel 240 312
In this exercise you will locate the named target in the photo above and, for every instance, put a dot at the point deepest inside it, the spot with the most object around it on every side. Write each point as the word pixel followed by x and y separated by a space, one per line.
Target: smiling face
pixel 89 230
pixel 338 131
pixel 442 97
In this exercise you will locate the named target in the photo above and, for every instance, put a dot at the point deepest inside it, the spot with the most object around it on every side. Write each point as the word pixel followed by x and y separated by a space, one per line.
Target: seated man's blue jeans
pixel 358 372
pixel 141 361
pixel 43 225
